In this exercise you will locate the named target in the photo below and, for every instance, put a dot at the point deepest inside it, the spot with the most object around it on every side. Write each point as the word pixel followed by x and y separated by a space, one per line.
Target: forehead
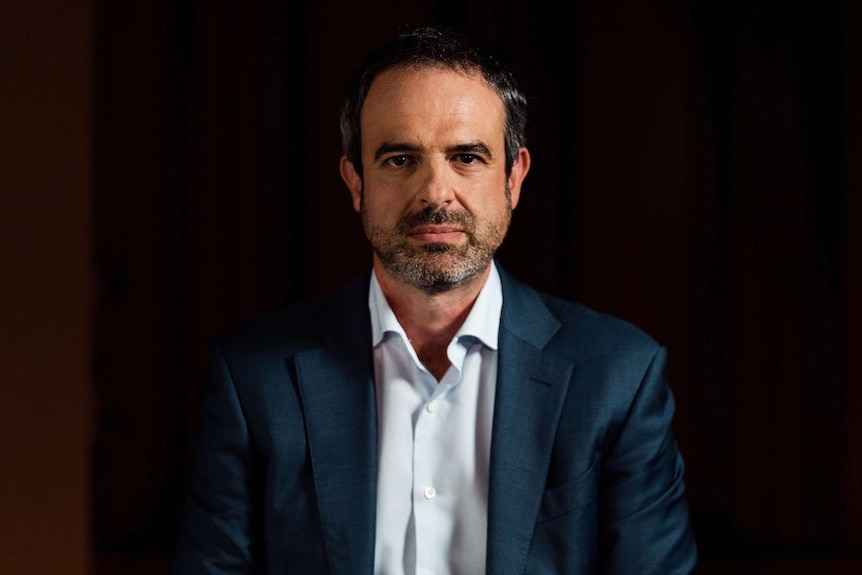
pixel 429 100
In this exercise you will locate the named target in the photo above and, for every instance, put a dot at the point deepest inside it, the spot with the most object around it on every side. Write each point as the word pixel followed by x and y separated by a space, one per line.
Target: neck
pixel 430 320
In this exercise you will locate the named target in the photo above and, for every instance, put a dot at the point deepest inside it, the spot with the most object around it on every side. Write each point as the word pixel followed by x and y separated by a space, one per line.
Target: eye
pixel 397 161
pixel 468 158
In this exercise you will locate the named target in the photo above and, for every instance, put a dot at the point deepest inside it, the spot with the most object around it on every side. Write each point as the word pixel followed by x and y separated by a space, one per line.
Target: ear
pixel 352 179
pixel 520 167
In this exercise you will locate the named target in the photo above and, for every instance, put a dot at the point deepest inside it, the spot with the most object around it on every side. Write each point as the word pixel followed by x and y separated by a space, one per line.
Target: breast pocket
pixel 571 495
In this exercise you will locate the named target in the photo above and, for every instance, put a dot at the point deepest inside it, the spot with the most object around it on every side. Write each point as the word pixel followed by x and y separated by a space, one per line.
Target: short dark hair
pixel 432 46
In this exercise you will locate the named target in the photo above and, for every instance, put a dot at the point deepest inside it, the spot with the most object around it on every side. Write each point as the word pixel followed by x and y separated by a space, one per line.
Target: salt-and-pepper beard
pixel 438 267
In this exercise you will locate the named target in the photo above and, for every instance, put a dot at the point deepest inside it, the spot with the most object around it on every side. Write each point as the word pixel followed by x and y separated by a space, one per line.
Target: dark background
pixel 695 171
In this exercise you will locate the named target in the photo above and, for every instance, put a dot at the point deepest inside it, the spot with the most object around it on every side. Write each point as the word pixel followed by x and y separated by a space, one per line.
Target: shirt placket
pixel 433 501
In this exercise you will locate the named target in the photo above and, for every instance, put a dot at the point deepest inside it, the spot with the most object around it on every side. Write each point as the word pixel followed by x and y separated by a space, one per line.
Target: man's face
pixel 435 200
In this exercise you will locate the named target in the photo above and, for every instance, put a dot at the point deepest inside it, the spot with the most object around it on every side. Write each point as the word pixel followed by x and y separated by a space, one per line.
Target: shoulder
pixel 601 330
pixel 299 326
pixel 574 329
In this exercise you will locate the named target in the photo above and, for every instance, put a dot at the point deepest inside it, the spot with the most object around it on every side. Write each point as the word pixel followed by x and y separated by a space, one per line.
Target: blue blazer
pixel 585 475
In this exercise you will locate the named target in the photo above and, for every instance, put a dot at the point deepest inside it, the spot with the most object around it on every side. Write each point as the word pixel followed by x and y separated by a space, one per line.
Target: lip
pixel 435 234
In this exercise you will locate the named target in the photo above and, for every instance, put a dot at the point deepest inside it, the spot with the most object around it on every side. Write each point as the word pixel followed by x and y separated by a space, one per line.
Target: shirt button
pixel 431 407
pixel 430 492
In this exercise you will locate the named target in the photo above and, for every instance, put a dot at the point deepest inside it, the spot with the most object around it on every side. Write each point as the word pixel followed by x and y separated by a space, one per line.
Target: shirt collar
pixel 482 323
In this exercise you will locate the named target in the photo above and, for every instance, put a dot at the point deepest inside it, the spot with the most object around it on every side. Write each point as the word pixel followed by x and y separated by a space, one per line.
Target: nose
pixel 436 186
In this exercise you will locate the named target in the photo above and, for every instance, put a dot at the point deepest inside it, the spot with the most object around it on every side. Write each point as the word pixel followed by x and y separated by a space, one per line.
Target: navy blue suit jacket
pixel 585 475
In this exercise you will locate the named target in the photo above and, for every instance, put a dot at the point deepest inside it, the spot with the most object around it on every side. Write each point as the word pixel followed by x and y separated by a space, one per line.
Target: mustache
pixel 430 216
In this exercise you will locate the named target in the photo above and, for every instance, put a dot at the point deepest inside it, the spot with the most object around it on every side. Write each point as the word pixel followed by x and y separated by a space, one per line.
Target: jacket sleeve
pixel 218 531
pixel 643 515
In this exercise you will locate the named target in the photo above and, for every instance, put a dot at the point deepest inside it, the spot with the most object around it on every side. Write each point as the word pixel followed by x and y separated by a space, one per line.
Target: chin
pixel 437 247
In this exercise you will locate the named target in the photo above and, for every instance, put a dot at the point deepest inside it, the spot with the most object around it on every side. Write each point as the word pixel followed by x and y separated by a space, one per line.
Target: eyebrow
pixel 390 147
pixel 476 147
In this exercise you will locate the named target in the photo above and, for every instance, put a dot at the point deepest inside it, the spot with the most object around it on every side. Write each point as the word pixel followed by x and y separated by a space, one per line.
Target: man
pixel 436 415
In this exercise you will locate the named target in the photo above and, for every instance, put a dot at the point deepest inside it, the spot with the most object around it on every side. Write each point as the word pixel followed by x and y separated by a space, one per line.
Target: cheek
pixel 380 208
pixel 488 199
pixel 386 196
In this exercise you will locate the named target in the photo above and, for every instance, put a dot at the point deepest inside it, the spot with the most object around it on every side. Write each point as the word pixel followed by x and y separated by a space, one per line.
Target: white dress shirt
pixel 434 442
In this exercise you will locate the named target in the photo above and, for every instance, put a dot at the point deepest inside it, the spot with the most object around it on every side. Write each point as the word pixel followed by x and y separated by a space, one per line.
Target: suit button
pixel 430 492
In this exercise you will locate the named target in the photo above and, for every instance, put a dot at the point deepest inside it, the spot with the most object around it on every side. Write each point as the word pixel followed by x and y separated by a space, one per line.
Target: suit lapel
pixel 337 386
pixel 531 387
